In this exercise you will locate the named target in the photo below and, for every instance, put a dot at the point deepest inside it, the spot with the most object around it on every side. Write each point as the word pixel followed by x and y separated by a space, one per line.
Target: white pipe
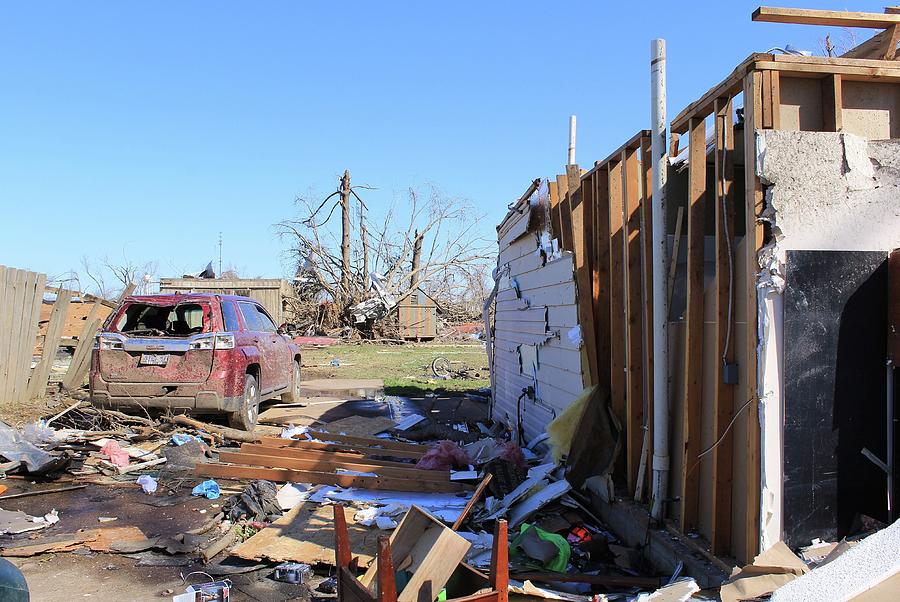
pixel 659 152
pixel 571 140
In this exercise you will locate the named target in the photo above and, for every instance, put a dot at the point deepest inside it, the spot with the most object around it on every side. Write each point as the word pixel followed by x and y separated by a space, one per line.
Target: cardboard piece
pixel 768 572
pixel 427 549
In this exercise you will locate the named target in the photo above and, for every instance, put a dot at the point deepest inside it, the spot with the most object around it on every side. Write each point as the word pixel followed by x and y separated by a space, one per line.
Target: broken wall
pixel 536 339
pixel 833 199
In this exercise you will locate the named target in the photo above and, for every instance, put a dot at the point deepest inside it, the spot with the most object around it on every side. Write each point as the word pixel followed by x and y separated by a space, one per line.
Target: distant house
pixel 275 294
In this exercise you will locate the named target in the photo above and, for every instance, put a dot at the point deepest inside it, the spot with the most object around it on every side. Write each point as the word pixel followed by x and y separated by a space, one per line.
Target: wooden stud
pixel 472 501
pixel 617 297
pixel 387 581
pixel 723 412
pixel 692 391
pixel 582 218
pixel 565 213
pixel 499 575
pixel 602 277
pixel 634 379
pixel 750 263
pixel 368 441
pixel 832 103
pixel 555 223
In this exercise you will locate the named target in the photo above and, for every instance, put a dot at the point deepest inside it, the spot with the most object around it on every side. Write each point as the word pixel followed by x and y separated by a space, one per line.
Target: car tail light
pixel 225 341
pixel 201 343
pixel 102 342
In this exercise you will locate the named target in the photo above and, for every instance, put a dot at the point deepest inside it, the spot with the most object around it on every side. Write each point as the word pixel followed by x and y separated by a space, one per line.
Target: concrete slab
pixel 350 388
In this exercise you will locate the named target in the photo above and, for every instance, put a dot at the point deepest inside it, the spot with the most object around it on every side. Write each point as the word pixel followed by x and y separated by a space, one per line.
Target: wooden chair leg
pixel 341 538
pixel 500 562
pixel 387 584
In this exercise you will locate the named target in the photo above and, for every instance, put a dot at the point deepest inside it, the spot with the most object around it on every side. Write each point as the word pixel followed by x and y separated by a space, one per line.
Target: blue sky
pixel 145 129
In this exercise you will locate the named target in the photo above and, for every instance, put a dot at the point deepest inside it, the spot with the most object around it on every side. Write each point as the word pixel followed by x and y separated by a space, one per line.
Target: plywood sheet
pixel 306 534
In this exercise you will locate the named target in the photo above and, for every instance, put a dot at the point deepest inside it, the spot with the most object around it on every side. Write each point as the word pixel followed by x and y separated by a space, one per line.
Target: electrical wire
pixel 722 437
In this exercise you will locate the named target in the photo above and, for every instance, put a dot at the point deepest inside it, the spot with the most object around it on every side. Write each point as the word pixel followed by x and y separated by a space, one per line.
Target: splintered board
pixel 835 341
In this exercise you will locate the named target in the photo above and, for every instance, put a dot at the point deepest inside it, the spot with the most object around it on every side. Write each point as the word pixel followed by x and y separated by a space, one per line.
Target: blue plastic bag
pixel 209 489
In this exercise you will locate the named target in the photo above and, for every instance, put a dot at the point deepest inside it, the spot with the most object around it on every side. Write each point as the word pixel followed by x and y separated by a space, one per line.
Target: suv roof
pixel 186 296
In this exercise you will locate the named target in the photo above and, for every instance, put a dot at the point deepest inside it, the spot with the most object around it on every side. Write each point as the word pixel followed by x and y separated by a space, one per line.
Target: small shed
pixel 274 293
pixel 417 316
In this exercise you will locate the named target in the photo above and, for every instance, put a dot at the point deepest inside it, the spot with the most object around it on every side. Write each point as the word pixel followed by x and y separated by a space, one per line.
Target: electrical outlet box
pixel 730 374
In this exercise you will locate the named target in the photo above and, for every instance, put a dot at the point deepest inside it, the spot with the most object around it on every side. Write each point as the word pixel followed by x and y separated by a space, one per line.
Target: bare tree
pixel 112 277
pixel 436 245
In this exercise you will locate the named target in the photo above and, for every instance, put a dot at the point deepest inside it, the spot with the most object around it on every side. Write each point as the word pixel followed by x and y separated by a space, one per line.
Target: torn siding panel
pixel 537 346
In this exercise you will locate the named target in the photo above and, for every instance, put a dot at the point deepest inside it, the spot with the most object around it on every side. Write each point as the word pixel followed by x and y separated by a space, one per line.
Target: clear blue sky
pixel 148 128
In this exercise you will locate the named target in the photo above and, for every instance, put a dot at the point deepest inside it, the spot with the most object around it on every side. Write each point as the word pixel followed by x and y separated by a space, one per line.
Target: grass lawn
pixel 405 369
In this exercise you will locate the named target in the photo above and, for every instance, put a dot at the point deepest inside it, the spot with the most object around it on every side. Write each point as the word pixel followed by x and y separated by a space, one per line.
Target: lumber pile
pixel 341 460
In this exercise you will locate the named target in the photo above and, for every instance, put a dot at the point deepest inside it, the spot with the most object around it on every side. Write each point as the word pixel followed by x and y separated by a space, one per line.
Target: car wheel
pixel 245 417
pixel 294 394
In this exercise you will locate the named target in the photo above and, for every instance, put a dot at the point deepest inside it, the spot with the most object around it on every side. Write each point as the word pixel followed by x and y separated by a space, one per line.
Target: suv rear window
pixel 229 315
pixel 178 320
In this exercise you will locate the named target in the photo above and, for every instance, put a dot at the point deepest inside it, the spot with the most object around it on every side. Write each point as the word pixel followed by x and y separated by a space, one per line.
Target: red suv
pixel 203 353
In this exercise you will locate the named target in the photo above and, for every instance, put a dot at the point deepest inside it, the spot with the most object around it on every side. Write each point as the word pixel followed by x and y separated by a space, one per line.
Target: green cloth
pixel 552 562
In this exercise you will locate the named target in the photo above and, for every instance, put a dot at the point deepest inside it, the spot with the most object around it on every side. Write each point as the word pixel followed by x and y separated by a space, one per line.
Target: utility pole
pixel 345 236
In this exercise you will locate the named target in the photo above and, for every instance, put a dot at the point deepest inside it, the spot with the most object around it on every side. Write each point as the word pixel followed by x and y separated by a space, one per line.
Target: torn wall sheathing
pixel 536 335
pixel 829 192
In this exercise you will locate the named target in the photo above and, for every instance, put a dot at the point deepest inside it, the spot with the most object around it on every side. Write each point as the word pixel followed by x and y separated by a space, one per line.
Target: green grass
pixel 405 369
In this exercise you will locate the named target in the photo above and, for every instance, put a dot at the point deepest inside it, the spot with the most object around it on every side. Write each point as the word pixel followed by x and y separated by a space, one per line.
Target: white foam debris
pixel 861 568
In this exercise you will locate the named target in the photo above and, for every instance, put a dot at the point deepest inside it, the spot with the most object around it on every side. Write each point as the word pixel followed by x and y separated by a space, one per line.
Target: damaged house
pixel 722 308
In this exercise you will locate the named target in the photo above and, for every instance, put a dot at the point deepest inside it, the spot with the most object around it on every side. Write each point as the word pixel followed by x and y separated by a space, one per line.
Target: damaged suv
pixel 200 353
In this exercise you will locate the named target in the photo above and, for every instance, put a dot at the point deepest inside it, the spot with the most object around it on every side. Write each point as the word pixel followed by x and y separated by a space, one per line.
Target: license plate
pixel 154 359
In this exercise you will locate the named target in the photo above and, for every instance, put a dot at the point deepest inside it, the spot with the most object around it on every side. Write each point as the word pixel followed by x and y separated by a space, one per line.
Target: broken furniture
pixel 432 553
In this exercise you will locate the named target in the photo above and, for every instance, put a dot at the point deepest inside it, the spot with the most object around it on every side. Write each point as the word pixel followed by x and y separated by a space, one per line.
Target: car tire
pixel 245 418
pixel 294 394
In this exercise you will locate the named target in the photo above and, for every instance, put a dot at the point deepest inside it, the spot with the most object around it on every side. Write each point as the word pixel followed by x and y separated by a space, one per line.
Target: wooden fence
pixel 21 297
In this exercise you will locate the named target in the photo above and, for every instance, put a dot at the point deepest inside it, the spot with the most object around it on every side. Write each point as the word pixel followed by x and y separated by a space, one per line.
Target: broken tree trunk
pixel 222 431
pixel 345 236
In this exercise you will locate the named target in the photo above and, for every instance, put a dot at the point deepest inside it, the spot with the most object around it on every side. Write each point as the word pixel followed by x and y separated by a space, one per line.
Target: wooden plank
pixel 882 46
pixel 41 373
pixel 601 276
pixel 647 284
pixel 565 213
pixel 833 18
pixel 287 475
pixel 555 222
pixel 887 71
pixel 368 441
pixel 321 456
pixel 750 264
pixel 81 356
pixel 365 451
pixel 634 377
pixel 17 370
pixel 832 103
pixel 582 236
pixel 34 298
pixel 276 461
pixel 693 340
pixel 5 327
pixel 721 456
pixel 472 501
pixel 617 297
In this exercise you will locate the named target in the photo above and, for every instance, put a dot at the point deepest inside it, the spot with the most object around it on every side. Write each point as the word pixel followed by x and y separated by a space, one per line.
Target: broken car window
pixel 229 315
pixel 180 320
